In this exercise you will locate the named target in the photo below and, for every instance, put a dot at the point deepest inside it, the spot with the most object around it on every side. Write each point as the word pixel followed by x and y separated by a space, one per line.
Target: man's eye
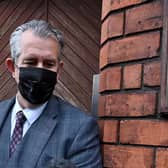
pixel 29 62
pixel 50 64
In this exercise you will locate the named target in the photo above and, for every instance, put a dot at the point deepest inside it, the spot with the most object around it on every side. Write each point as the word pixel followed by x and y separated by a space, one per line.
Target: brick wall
pixel 133 135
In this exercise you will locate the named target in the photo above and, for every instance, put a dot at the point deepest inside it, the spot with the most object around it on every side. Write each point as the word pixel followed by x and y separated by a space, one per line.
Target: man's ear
pixel 10 65
pixel 60 66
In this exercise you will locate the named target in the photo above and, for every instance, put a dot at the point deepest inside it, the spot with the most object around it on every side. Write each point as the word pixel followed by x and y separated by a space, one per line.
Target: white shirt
pixel 31 115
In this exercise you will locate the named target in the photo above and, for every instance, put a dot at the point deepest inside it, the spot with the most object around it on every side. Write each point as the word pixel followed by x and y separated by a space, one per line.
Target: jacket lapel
pixel 37 136
pixel 5 108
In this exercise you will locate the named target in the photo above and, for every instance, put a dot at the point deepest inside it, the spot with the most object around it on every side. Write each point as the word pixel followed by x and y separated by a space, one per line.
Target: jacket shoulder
pixel 7 102
pixel 70 110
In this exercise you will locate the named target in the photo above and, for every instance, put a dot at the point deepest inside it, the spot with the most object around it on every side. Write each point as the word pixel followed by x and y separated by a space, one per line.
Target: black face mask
pixel 36 84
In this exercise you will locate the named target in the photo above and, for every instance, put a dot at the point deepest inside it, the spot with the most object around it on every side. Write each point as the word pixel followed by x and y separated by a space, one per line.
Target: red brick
pixel 101 104
pixel 146 132
pixel 130 104
pixel 110 5
pixel 127 157
pixel 144 17
pixel 106 7
pixel 152 72
pixel 104 52
pixel 110 131
pixel 130 48
pixel 132 76
pixel 112 26
pixel 110 79
pixel 162 158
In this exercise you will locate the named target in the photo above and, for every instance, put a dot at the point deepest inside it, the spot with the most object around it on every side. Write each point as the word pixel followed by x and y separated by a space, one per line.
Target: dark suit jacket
pixel 62 131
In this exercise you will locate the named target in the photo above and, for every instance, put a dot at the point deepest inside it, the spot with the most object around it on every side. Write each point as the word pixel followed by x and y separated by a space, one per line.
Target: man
pixel 35 126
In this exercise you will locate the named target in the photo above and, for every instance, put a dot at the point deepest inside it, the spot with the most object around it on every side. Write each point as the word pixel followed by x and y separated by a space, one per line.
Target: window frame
pixel 164 63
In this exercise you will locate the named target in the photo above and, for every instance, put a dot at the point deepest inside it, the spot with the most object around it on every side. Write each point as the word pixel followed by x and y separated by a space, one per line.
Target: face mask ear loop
pixel 14 62
pixel 16 65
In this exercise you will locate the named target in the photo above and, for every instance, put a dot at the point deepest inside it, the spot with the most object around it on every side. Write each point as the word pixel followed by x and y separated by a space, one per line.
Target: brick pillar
pixel 133 135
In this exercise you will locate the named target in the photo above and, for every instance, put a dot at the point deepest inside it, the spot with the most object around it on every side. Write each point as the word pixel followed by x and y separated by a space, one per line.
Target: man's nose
pixel 40 65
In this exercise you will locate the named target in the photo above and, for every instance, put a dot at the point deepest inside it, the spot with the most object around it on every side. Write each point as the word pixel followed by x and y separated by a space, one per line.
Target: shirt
pixel 31 114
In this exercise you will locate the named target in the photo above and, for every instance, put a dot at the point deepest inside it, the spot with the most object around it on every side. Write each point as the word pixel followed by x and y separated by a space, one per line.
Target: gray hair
pixel 40 28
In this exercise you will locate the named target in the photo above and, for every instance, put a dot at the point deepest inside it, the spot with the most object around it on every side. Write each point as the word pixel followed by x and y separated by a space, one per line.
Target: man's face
pixel 37 52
